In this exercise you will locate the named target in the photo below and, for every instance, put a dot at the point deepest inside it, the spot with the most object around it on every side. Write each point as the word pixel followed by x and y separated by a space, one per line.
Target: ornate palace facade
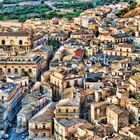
pixel 13 43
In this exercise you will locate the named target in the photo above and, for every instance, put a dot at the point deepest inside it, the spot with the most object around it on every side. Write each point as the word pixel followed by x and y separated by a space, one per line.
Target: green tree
pixel 54 43
pixel 25 73
pixel 132 5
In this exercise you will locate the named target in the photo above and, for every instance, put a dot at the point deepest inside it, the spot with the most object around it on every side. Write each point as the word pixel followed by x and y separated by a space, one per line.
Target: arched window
pixel 44 127
pixel 30 70
pixel 36 127
pixel 67 110
pixel 22 70
pixel 36 134
pixel 44 134
pixel 16 70
pixel 3 42
pixel 20 42
pixel 9 70
pixel 0 70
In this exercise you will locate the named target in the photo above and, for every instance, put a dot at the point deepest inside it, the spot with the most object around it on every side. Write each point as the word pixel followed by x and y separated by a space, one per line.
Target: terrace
pixel 6 88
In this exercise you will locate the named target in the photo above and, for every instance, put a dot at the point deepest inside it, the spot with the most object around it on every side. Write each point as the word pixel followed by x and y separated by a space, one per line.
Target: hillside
pixel 133 12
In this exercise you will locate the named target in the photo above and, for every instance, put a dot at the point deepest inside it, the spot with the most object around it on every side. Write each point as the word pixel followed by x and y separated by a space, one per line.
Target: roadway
pixel 13 135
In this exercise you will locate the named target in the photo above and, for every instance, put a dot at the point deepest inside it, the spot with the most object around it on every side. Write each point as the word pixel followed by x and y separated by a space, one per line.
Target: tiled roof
pixel 116 109
pixel 14 34
pixel 79 53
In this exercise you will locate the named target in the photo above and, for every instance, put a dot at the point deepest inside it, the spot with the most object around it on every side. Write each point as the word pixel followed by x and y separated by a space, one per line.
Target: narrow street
pixel 13 135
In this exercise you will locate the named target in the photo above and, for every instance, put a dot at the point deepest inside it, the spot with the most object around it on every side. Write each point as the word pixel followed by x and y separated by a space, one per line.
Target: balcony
pixel 40 129
pixel 70 114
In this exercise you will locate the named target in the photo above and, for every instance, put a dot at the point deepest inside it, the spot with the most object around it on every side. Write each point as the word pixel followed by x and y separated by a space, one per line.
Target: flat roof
pixel 7 87
pixel 70 122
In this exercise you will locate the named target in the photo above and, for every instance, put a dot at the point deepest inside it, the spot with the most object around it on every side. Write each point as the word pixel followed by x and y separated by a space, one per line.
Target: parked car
pixel 6 136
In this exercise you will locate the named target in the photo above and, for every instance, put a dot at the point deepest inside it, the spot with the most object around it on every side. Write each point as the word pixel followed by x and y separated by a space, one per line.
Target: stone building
pixel 2 123
pixel 41 125
pixel 68 108
pixel 15 42
pixel 10 98
pixel 98 111
pixel 31 104
pixel 61 36
pixel 122 49
pixel 102 93
pixel 117 117
pixel 104 131
pixel 137 35
pixel 81 35
pixel 23 81
pixel 64 129
pixel 134 133
pixel 134 83
pixel 63 78
pixel 133 106
pixel 115 38
pixel 84 131
pixel 18 65
pixel 45 52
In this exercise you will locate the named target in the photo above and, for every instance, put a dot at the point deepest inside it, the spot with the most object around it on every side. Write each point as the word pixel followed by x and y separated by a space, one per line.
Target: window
pixel 22 70
pixel 67 111
pixel 30 70
pixel 44 127
pixel 16 70
pixel 36 134
pixel 25 83
pixel 3 42
pixel 59 110
pixel 2 97
pixel 21 47
pixel 76 82
pixel 0 69
pixel 68 84
pixel 20 120
pixel 44 134
pixel 9 70
pixel 74 110
pixel 20 42
pixel 36 127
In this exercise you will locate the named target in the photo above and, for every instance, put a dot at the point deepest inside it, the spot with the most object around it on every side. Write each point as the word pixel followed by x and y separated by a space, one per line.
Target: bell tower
pixel 137 33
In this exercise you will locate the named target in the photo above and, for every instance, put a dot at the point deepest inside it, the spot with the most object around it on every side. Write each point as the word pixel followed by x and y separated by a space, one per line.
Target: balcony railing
pixel 40 129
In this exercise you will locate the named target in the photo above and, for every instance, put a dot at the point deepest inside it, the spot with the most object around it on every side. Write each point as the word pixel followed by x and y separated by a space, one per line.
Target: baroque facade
pixel 14 43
